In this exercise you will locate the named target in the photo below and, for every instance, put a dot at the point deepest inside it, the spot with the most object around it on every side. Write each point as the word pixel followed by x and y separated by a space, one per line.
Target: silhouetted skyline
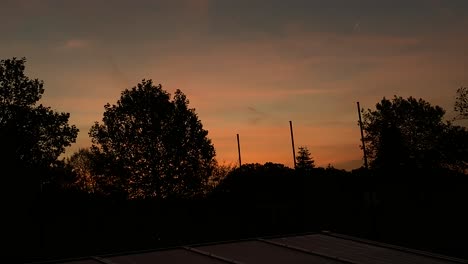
pixel 150 179
pixel 248 67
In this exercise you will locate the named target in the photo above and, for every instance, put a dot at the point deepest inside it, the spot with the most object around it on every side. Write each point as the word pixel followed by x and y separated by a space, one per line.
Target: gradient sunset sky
pixel 248 67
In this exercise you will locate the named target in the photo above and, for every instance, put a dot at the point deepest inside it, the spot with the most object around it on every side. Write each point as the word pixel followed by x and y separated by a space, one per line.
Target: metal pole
pixel 362 137
pixel 238 149
pixel 292 142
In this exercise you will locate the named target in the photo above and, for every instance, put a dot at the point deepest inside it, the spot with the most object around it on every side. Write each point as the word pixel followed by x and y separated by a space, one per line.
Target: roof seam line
pixel 214 256
pixel 303 250
pixel 393 247
pixel 102 260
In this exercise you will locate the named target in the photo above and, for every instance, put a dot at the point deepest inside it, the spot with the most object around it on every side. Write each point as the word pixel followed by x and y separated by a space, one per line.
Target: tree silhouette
pixel 31 139
pixel 154 146
pixel 411 133
pixel 304 163
pixel 461 103
pixel 31 135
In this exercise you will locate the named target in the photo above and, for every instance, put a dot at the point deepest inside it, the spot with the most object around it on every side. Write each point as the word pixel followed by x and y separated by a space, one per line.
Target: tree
pixel 154 146
pixel 81 164
pixel 461 103
pixel 32 136
pixel 220 172
pixel 304 162
pixel 411 133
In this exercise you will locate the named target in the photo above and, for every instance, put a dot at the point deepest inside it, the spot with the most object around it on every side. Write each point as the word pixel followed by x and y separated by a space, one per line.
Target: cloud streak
pixel 76 44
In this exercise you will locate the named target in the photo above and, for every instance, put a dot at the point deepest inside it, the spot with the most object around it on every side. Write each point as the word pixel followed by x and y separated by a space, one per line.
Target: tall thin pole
pixel 238 150
pixel 362 137
pixel 292 142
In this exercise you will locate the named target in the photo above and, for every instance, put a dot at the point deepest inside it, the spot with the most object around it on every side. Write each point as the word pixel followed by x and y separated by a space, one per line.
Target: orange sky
pixel 247 68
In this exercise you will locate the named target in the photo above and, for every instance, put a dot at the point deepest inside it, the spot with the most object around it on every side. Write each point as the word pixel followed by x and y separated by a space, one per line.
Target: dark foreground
pixel 425 211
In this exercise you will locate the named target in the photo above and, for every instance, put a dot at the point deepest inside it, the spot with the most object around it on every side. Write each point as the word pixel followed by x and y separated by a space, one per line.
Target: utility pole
pixel 292 142
pixel 238 150
pixel 362 137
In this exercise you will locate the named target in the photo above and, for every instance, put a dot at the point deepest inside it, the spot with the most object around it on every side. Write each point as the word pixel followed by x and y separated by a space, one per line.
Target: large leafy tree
pixel 31 135
pixel 153 145
pixel 411 133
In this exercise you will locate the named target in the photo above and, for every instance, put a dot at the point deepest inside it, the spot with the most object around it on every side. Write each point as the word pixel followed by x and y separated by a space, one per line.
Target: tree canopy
pixel 154 145
pixel 412 133
pixel 31 135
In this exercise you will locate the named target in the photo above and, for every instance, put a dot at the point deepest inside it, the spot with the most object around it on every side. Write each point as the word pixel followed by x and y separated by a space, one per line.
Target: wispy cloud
pixel 357 27
pixel 76 44
pixel 255 116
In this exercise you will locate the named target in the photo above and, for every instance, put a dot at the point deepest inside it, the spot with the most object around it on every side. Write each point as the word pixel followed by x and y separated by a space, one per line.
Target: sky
pixel 247 67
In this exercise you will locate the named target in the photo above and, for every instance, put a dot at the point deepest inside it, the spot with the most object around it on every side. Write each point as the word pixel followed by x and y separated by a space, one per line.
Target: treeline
pixel 151 180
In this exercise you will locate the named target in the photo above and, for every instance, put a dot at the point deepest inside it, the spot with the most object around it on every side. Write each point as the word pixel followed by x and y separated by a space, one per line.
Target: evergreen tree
pixel 304 161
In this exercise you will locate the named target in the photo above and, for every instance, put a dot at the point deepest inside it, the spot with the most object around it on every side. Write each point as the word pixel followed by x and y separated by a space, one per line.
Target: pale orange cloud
pixel 76 44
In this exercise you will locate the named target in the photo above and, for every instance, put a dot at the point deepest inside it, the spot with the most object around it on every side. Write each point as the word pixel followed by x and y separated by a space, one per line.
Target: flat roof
pixel 324 247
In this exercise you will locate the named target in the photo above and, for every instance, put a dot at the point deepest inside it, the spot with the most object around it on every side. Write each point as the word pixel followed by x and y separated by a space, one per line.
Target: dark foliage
pixel 461 103
pixel 31 135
